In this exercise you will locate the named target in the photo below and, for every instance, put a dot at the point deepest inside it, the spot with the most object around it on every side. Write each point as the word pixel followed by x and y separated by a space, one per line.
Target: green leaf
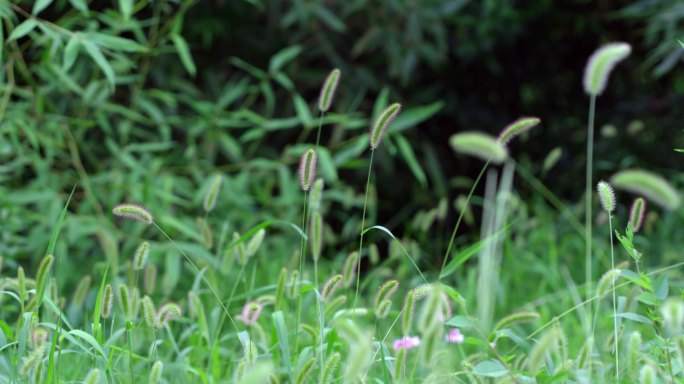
pixel 81 5
pixel 39 5
pixel 101 61
pixel 634 317
pixel 303 110
pixel 23 29
pixel 71 53
pixel 281 330
pixel 97 331
pixel 662 287
pixel 490 368
pixel 410 158
pixel 460 322
pixel 284 56
pixel 413 116
pixel 115 43
pixel 329 19
pixel 126 7
pixel 184 53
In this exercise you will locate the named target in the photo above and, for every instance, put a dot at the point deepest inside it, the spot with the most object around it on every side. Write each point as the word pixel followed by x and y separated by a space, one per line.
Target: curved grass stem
pixel 363 226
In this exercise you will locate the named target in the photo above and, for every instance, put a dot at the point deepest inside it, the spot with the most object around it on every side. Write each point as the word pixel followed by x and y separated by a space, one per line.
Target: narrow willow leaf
pixel 94 52
pixel 480 145
pixel 601 63
pixel 23 29
pixel 649 185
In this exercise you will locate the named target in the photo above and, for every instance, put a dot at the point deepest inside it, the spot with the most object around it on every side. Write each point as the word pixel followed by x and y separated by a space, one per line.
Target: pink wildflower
pixel 407 342
pixel 251 312
pixel 455 336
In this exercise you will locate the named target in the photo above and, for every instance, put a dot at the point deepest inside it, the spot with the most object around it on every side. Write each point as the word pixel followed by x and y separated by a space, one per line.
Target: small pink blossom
pixel 251 312
pixel 407 342
pixel 455 336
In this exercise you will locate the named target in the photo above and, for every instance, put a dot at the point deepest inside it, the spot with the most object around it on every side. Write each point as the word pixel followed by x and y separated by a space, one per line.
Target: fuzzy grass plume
pixel 480 145
pixel 649 185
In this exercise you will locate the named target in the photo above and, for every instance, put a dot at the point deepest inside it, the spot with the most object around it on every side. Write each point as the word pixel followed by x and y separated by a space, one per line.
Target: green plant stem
pixel 130 353
pixel 587 203
pixel 363 225
pixel 204 278
pixel 318 140
pixel 460 217
pixel 302 251
pixel 615 330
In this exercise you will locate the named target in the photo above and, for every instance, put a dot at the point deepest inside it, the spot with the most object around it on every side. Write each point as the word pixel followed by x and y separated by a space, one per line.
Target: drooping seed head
pixel 107 301
pixel 382 309
pixel 408 310
pixel 134 212
pixel 480 145
pixel 350 266
pixel 93 377
pixel 382 123
pixel 637 213
pixel 607 282
pixel 32 362
pixel 307 169
pixel 305 371
pixel 328 371
pixel 330 286
pixel 517 128
pixel 150 279
pixel 328 91
pixel 212 194
pixel 386 291
pixel 156 372
pixel 42 277
pixel 647 375
pixel 649 185
pixel 516 318
pixel 140 256
pixel 251 312
pixel 167 312
pixel 149 313
pixel 600 64
pixel 606 196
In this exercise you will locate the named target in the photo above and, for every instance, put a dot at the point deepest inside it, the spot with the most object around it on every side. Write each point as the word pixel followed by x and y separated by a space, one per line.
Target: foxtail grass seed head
pixel 382 123
pixel 408 310
pixel 349 270
pixel 606 282
pixel 150 279
pixel 328 91
pixel 133 212
pixel 329 369
pixel 517 128
pixel 545 345
pixel 316 234
pixel 167 312
pixel 156 372
pixel 307 169
pixel 386 291
pixel 647 375
pixel 255 242
pixel 479 145
pixel 280 288
pixel 583 356
pixel 634 351
pixel 637 213
pixel 431 314
pixel 672 311
pixel 135 303
pixel 42 277
pixel 423 290
pixel 81 291
pixel 649 185
pixel 21 283
pixel 251 312
pixel 107 301
pixel 140 256
pixel 205 229
pixel 149 313
pixel 211 197
pixel 305 371
pixel 316 195
pixel 31 362
pixel 606 196
pixel 93 377
pixel 431 338
pixel 293 286
pixel 600 64
pixel 333 305
pixel 251 352
pixel 330 286
pixel 382 309
pixel 38 337
pixel 125 301
pixel 400 365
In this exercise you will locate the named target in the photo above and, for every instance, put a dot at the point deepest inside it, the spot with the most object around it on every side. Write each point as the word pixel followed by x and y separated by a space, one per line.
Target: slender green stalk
pixel 615 330
pixel 363 225
pixel 204 278
pixel 318 140
pixel 460 217
pixel 302 251
pixel 587 207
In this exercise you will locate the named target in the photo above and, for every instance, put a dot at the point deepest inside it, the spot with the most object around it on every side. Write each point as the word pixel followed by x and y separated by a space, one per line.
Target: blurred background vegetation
pixel 143 101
